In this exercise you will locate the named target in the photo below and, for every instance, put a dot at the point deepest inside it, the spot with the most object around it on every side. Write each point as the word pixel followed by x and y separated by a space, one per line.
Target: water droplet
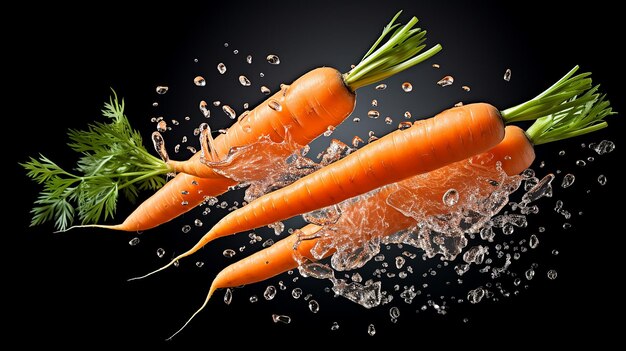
pixel 371 330
pixel 356 120
pixel 530 273
pixel 507 74
pixel 533 242
pixel 568 180
pixel 374 103
pixel 160 252
pixel 581 163
pixel 159 146
pixel 243 80
pixel 205 109
pixel 356 141
pixel 273 59
pixel 133 241
pixel 314 306
pixel 225 45
pixel 199 81
pixel 155 104
pixel 407 114
pixel 221 68
pixel 162 89
pixel 261 74
pixel 265 90
pixel 445 81
pixel 162 126
pixel 372 138
pixel 373 114
pixel 602 179
pixel 400 262
pixel 407 87
pixel 394 312
pixel 458 104
pixel 590 159
pixel 197 223
pixel 281 318
pixel 186 228
pixel 435 65
pixel 555 252
pixel 552 274
pixel 229 111
pixel 329 131
pixel 388 120
pixel 562 153
pixel 253 299
pixel 451 197
pixel 404 125
pixel 296 293
pixel 228 296
pixel 275 105
pixel 381 87
pixel 466 88
pixel 334 326
pixel 228 253
pixel 604 147
pixel 199 264
pixel 249 59
pixel 566 225
pixel 270 292
pixel 235 51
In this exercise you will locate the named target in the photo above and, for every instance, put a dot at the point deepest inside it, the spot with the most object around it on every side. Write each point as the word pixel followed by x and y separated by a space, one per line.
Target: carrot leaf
pixel 395 55
pixel 560 97
pixel 112 160
pixel 580 118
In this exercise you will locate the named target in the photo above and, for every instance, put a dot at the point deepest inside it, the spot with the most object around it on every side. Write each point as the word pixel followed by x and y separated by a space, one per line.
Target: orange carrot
pixel 513 154
pixel 319 99
pixel 451 136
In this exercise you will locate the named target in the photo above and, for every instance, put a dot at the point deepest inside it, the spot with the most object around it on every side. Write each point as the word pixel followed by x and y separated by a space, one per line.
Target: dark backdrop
pixel 71 289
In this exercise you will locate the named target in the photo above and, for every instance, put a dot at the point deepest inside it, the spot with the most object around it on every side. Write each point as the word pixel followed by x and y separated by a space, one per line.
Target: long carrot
pixel 512 155
pixel 116 159
pixel 451 136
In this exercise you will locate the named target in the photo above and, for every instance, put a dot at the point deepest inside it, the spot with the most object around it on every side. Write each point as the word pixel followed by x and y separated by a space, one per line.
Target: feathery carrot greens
pixel 112 160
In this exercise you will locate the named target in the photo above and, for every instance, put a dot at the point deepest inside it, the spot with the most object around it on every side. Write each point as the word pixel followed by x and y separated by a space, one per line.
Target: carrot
pixel 451 136
pixel 116 159
pixel 513 154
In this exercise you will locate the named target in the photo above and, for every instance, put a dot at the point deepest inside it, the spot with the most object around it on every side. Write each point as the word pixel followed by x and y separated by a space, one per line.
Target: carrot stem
pixel 397 54
pixel 557 98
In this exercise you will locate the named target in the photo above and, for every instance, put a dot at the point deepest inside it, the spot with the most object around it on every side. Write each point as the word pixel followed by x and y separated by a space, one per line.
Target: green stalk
pixel 397 54
pixel 585 115
pixel 557 98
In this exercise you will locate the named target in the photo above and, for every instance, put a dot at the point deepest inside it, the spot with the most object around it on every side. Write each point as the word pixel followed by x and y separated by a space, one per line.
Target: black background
pixel 71 288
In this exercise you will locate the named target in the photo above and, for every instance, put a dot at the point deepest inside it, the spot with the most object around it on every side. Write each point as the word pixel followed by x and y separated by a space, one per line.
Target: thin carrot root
pixel 102 226
pixel 206 301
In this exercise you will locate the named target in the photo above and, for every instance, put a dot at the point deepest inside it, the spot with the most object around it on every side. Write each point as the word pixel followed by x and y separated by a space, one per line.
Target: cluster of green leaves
pixel 113 159
pixel 398 53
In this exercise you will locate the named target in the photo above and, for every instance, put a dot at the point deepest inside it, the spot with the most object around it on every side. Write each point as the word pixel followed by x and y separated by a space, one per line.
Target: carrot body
pixel 307 107
pixel 515 152
pixel 451 136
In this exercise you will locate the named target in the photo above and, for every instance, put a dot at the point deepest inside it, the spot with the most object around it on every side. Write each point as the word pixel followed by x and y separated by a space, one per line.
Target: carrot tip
pixel 155 271
pixel 206 301
pixel 102 226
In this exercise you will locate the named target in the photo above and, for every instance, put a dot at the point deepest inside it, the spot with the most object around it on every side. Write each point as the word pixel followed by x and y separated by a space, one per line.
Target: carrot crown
pixel 398 53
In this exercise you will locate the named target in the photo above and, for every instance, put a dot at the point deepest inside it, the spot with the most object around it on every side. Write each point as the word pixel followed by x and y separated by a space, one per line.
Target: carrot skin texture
pixel 515 152
pixel 313 102
pixel 451 136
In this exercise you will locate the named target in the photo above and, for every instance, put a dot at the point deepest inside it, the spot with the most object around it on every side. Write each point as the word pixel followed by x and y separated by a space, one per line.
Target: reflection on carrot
pixel 512 155
pixel 451 136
